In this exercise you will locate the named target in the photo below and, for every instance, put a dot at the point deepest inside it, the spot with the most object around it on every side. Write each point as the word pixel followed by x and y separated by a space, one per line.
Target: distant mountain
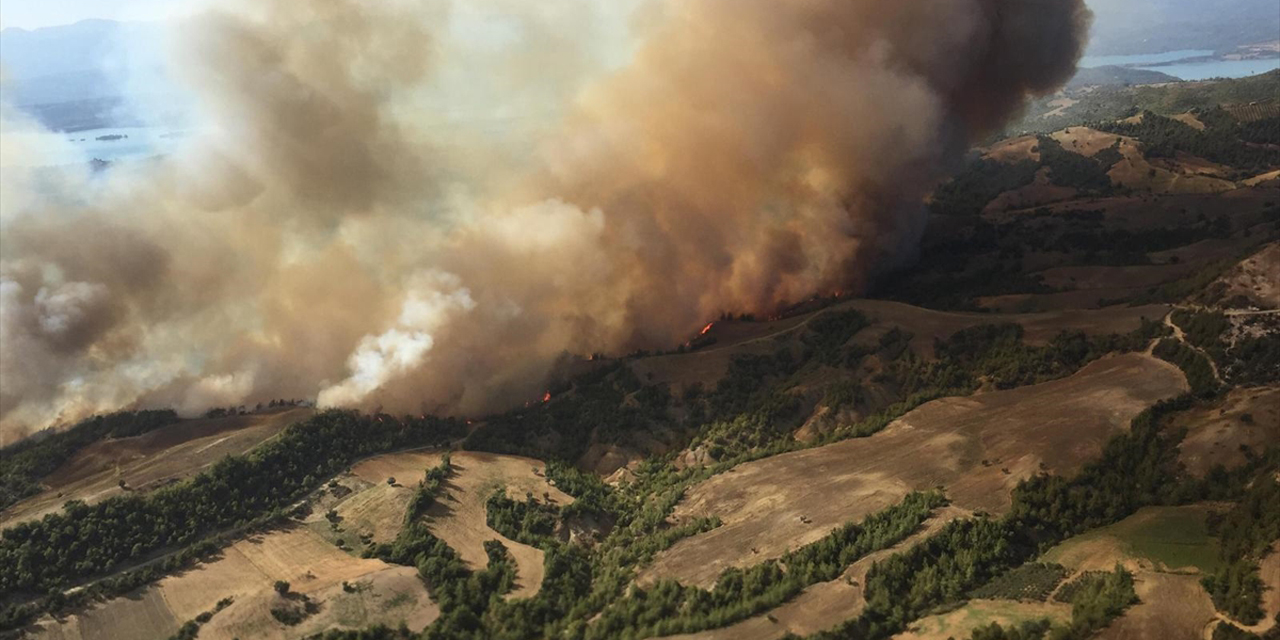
pixel 1123 27
pixel 99 65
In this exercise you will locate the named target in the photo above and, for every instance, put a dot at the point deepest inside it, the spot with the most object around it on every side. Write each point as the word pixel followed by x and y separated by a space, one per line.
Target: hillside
pixel 1063 419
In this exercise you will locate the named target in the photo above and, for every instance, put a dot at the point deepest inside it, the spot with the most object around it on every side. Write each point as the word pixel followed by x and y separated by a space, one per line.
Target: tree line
pixel 24 463
pixel 84 541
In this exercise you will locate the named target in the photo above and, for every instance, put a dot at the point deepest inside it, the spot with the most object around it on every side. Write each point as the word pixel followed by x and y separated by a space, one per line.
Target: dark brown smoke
pixel 340 233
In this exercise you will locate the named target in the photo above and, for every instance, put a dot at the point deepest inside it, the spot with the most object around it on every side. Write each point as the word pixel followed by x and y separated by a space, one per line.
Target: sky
pixel 33 14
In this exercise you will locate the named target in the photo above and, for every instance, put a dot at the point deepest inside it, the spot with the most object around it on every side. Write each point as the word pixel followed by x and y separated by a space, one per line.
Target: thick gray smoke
pixel 336 235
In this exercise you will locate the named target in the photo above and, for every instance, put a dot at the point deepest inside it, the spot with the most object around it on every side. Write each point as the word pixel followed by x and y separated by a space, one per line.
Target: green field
pixel 1176 538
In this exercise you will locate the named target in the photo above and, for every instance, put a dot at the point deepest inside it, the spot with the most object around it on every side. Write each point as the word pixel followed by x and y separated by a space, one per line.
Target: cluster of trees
pixel 562 428
pixel 1099 244
pixel 1220 141
pixel 997 353
pixel 24 463
pixel 825 338
pixel 1245 535
pixel 1097 600
pixel 1227 631
pixel 669 607
pixel 1253 358
pixel 1136 469
pixel 936 286
pixel 1264 131
pixel 1203 329
pixel 428 489
pixel 1123 99
pixel 191 628
pixel 983 179
pixel 979 183
pixel 1194 365
pixel 1178 290
pixel 1071 169
pixel 84 541
pixel 464 595
pixel 530 522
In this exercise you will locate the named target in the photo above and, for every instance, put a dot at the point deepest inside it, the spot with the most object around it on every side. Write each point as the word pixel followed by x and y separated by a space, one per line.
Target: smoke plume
pixel 388 208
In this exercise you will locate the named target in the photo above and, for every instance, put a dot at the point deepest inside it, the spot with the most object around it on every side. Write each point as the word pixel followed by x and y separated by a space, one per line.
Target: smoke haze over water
pixel 339 232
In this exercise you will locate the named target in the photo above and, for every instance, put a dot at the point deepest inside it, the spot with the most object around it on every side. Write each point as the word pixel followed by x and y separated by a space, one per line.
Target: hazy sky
pixel 32 14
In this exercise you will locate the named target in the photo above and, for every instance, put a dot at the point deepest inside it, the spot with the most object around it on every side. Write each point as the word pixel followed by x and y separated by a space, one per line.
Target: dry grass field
pixel 1164 539
pixel 1040 191
pixel 707 366
pixel 1161 546
pixel 150 460
pixel 1257 277
pixel 1269 571
pixel 1014 150
pixel 977 447
pixel 927 324
pixel 826 604
pixel 980 613
pixel 306 556
pixel 246 572
pixel 1170 607
pixel 458 516
pixel 1248 417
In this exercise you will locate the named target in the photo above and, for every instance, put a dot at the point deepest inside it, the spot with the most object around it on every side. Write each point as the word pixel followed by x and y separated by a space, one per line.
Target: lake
pixel 133 142
pixel 1088 62
pixel 1217 68
pixel 1172 63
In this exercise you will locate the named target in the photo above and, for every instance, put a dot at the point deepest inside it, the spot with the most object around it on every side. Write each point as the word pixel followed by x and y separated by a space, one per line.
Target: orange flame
pixel 707 328
pixel 546 397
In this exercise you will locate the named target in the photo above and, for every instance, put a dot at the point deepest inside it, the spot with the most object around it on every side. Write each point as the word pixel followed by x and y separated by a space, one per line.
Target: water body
pixel 1218 68
pixel 132 143
pixel 1184 64
pixel 1144 59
